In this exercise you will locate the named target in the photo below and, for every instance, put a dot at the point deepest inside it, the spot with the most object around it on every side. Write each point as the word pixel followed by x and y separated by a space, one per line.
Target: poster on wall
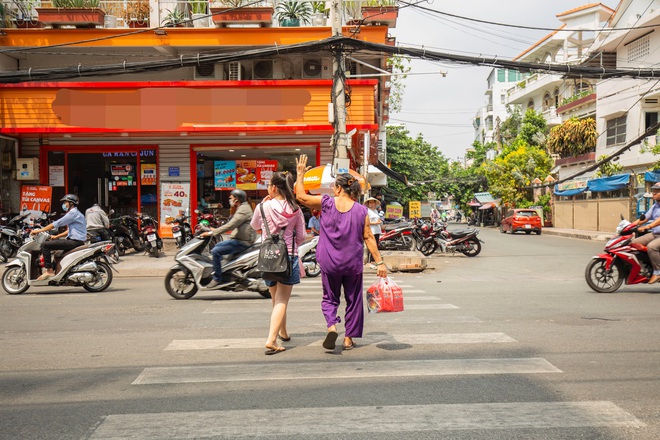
pixel 148 174
pixel 393 211
pixel 246 174
pixel 175 201
pixel 265 170
pixel 123 174
pixel 414 209
pixel 36 199
pixel 56 175
pixel 224 175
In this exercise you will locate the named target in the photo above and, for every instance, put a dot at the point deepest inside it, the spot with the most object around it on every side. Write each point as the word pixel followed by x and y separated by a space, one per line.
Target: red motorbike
pixel 399 239
pixel 621 262
pixel 464 241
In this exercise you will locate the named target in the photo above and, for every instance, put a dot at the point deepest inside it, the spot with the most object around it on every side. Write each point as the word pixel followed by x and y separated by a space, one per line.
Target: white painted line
pixel 315 306
pixel 311 422
pixel 343 370
pixel 412 339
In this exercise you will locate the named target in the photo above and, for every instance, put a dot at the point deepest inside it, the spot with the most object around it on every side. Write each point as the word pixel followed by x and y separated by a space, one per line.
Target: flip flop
pixel 283 339
pixel 330 339
pixel 350 347
pixel 271 351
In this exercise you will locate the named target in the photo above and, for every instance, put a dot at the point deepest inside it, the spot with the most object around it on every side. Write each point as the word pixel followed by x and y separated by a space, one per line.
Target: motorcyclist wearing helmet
pixel 241 238
pixel 76 233
pixel 651 241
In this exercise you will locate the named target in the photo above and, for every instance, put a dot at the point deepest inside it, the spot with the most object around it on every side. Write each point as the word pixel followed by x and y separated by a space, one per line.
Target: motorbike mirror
pixel 642 217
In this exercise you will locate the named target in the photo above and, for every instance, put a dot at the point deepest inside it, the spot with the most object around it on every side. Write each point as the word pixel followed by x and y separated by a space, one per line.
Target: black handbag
pixel 274 262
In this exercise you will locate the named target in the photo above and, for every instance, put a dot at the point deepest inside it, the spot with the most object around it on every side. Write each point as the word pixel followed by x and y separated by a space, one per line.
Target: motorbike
pixel 307 255
pixel 126 234
pixel 207 221
pixel 398 239
pixel 12 235
pixel 149 233
pixel 89 266
pixel 193 271
pixel 181 231
pixel 464 241
pixel 621 261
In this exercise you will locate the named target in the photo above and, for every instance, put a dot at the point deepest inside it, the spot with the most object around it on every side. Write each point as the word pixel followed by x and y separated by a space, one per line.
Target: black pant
pixel 56 245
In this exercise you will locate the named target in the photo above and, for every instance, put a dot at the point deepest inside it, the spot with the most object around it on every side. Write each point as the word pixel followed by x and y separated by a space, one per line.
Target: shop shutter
pixel 174 159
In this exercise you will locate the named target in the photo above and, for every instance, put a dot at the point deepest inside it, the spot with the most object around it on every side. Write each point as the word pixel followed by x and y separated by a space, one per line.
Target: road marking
pixel 294 306
pixel 343 370
pixel 307 299
pixel 412 339
pixel 312 422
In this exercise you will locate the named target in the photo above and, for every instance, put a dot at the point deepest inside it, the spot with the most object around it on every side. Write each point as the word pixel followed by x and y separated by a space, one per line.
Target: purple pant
pixel 354 316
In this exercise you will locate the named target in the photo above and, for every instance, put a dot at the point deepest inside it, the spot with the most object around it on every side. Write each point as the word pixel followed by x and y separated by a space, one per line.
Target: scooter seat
pixel 639 247
pixel 460 233
pixel 61 253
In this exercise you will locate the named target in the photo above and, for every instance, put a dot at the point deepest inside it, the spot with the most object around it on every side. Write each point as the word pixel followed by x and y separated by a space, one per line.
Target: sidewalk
pixel 579 233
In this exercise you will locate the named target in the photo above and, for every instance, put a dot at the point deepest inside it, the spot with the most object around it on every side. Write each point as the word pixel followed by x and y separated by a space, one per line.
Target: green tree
pixel 573 137
pixel 533 129
pixel 608 169
pixel 511 125
pixel 400 66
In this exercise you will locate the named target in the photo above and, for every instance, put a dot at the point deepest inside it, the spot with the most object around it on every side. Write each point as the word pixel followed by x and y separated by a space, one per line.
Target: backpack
pixel 274 262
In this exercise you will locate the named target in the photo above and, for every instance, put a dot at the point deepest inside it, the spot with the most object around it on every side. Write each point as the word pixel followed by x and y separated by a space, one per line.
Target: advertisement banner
pixel 123 174
pixel 36 199
pixel 175 201
pixel 246 174
pixel 393 211
pixel 224 175
pixel 148 175
pixel 414 209
pixel 265 170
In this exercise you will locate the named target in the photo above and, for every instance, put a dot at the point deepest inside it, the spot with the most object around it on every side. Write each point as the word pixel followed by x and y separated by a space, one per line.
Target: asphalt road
pixel 507 345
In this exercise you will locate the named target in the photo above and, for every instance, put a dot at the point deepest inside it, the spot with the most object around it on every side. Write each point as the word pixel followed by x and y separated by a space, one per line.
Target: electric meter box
pixel 27 168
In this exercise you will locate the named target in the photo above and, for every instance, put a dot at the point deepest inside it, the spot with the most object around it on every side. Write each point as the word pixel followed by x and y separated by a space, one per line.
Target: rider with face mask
pixel 76 233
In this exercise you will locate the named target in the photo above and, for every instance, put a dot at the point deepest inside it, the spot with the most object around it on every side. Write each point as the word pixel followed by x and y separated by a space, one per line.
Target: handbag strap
pixel 265 223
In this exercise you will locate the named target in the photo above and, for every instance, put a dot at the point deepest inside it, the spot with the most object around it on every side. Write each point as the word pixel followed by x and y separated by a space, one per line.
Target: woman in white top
pixel 375 221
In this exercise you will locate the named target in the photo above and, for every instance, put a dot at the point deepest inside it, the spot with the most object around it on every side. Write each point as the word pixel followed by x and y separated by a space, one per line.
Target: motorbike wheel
pixel 600 279
pixel 180 284
pixel 154 251
pixel 139 245
pixel 178 242
pixel 312 268
pixel 6 249
pixel 120 245
pixel 428 248
pixel 15 281
pixel 472 247
pixel 102 280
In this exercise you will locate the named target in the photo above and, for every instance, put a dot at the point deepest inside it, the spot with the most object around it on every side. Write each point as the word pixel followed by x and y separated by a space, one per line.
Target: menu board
pixel 246 174
pixel 265 170
pixel 175 200
pixel 224 175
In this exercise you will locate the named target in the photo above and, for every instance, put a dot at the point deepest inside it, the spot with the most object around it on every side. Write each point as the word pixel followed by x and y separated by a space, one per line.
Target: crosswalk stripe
pixel 295 299
pixel 412 339
pixel 311 422
pixel 294 307
pixel 343 370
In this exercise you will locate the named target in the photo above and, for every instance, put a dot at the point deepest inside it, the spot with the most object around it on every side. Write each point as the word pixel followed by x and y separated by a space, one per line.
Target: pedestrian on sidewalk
pixel 651 241
pixel 345 228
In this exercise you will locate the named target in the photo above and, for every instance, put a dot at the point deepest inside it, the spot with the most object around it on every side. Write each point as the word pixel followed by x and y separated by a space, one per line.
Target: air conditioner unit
pixel 317 68
pixel 235 71
pixel 266 69
pixel 209 72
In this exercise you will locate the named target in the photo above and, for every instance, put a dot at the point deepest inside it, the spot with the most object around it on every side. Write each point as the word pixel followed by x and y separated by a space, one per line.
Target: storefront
pixel 123 179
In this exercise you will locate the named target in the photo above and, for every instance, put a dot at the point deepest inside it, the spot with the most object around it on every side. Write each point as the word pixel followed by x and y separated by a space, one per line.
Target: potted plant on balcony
pixel 199 13
pixel 21 13
pixel 174 18
pixel 320 13
pixel 136 14
pixel 228 12
pixel 78 13
pixel 291 13
pixel 384 12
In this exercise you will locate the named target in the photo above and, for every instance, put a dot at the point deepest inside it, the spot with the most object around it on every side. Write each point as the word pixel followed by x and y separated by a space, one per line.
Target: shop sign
pixel 148 176
pixel 265 170
pixel 572 184
pixel 393 211
pixel 173 171
pixel 224 175
pixel 175 201
pixel 414 209
pixel 124 169
pixel 246 174
pixel 36 199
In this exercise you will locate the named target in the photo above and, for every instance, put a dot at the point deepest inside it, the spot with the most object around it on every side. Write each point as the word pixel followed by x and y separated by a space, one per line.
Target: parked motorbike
pixel 181 230
pixel 464 241
pixel 12 235
pixel 89 266
pixel 399 239
pixel 193 271
pixel 622 261
pixel 307 255
pixel 205 222
pixel 126 234
pixel 149 233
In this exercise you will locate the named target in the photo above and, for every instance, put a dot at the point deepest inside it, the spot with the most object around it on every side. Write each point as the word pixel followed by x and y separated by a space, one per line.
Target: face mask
pixel 65 207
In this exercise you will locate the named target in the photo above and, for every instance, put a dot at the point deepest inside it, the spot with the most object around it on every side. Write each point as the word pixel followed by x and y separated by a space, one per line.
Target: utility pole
pixel 340 139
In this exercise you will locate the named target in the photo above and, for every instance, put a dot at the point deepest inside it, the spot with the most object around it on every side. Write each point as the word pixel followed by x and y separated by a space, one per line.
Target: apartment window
pixel 502 98
pixel 501 75
pixel 513 76
pixel 547 101
pixel 616 131
pixel 530 104
pixel 556 97
pixel 639 48
pixel 651 118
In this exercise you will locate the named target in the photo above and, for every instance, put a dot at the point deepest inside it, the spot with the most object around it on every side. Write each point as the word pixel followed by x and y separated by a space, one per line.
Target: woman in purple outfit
pixel 344 231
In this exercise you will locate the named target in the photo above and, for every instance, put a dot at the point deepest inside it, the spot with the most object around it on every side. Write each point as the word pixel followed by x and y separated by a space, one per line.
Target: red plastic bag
pixel 384 296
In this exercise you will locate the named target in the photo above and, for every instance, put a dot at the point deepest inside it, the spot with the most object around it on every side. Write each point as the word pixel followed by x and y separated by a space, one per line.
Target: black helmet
pixel 71 198
pixel 239 195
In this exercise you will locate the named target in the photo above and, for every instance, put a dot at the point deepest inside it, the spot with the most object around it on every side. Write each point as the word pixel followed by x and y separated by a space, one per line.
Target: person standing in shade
pixel 375 221
pixel 314 223
pixel 345 229
pixel 281 212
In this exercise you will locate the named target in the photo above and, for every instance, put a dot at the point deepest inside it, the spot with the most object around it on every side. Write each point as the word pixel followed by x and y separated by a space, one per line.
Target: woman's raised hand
pixel 301 165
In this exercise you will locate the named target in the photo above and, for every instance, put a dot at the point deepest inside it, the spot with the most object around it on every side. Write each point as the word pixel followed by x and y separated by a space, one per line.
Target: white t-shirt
pixel 374 217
